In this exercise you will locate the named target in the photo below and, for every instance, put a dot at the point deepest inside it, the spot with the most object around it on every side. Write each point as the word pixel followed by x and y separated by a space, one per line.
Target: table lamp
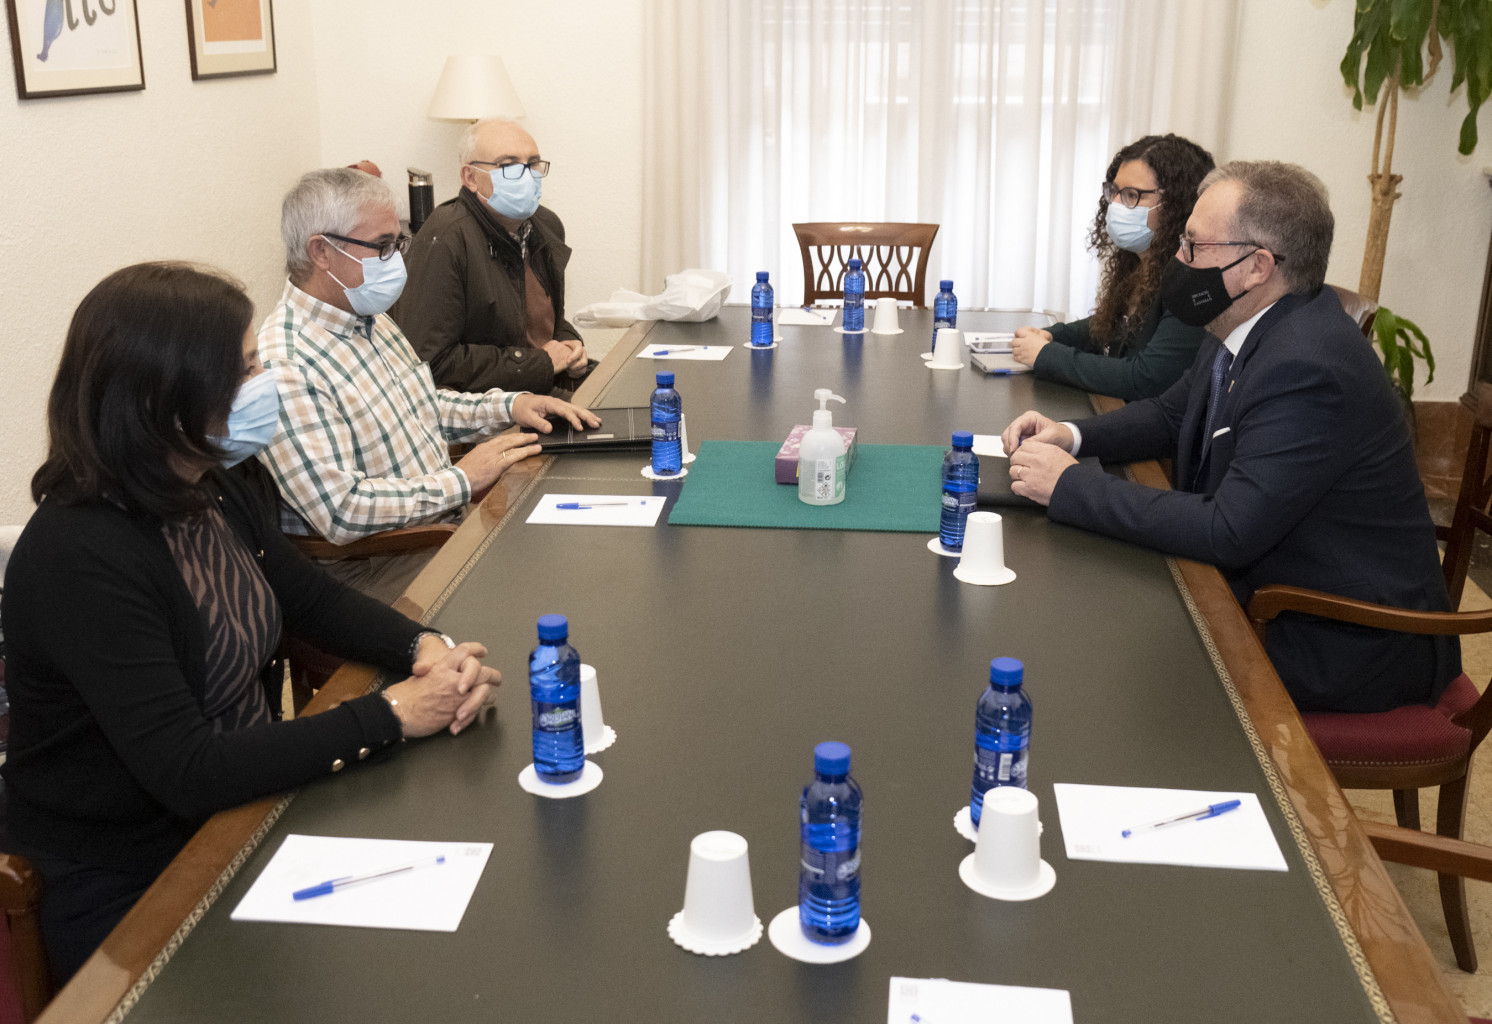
pixel 474 87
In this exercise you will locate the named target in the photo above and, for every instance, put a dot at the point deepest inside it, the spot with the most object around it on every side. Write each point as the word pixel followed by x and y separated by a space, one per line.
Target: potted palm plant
pixel 1398 45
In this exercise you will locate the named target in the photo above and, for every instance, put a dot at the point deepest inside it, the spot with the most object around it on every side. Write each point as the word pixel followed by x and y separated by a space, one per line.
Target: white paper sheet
pixel 988 341
pixel 428 899
pixel 991 445
pixel 639 510
pixel 816 316
pixel 699 353
pixel 1095 817
pixel 939 1001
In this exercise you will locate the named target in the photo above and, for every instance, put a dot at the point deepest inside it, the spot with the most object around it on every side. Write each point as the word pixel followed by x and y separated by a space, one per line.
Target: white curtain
pixel 993 118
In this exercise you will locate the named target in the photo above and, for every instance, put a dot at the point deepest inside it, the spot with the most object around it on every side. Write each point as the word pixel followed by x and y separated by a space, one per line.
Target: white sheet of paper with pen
pixel 431 900
pixel 940 1001
pixel 607 510
pixel 814 316
pixel 1094 819
pixel 699 353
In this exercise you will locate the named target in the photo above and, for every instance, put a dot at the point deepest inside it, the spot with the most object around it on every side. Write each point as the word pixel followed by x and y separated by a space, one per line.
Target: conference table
pixel 723 655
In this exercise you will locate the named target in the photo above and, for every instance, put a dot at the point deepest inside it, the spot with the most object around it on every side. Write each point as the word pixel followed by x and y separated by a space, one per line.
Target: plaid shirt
pixel 362 444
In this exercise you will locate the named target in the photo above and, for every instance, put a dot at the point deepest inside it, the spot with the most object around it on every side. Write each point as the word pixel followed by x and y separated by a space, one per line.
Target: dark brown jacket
pixel 464 308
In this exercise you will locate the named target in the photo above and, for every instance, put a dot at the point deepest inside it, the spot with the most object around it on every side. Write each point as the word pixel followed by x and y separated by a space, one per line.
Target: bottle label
pixel 1003 773
pixel 1000 768
pixel 666 431
pixel 558 719
pixel 830 865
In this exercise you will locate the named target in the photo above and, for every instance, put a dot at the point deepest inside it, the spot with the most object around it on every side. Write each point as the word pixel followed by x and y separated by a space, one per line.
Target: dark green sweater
pixel 1144 368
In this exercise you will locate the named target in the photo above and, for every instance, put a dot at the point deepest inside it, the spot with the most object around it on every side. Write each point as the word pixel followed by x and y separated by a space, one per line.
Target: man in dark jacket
pixel 485 301
pixel 1293 462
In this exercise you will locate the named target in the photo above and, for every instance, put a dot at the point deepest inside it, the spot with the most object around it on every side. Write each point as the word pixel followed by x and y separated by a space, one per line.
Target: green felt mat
pixel 890 487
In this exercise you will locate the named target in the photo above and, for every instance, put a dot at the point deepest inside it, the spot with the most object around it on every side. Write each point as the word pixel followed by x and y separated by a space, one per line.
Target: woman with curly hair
pixel 1130 347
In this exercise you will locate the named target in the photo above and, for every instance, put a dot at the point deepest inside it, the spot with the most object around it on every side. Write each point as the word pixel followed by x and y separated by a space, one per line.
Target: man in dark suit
pixel 1293 462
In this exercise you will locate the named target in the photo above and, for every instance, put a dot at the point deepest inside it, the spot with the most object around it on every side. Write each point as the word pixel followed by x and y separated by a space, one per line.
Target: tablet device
pixel 623 429
pixel 998 363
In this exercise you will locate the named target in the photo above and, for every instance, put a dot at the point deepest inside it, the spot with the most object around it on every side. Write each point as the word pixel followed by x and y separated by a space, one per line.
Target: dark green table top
pixel 723 655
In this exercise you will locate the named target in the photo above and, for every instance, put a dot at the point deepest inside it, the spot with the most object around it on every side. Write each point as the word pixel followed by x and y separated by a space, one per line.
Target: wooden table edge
pixel 109 984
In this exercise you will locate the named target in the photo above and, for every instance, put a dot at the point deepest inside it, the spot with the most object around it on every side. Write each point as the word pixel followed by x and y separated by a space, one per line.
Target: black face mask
pixel 1196 295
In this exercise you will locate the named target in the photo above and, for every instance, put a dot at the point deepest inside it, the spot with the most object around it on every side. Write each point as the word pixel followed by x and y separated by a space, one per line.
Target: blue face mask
pixel 383 280
pixel 1130 229
pixel 516 198
pixel 253 419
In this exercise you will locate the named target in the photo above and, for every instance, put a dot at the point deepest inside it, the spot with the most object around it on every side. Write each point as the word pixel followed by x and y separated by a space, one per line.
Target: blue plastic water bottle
pixel 1002 733
pixel 667 409
pixel 960 489
pixel 854 297
pixel 945 308
pixel 761 310
pixel 554 691
pixel 829 869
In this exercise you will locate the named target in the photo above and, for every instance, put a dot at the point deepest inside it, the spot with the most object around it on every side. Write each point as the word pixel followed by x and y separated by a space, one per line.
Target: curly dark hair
pixel 1131 281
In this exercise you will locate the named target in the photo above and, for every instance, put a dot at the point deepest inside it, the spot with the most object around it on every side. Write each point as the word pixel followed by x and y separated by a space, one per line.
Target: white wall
pixel 1289 103
pixel 577 67
pixel 182 170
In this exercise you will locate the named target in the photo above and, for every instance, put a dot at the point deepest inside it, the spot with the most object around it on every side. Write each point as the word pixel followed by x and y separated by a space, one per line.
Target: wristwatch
pixel 414 645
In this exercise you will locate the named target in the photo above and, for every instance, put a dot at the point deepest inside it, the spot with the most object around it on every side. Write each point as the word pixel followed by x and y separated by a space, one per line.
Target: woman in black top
pixel 147 593
pixel 1130 347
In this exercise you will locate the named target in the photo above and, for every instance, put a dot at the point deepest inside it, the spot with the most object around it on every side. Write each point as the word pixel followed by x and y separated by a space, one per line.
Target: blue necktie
pixel 1220 367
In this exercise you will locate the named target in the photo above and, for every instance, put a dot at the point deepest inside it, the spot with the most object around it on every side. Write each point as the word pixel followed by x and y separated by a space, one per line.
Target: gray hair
pixel 331 200
pixel 466 151
pixel 1284 208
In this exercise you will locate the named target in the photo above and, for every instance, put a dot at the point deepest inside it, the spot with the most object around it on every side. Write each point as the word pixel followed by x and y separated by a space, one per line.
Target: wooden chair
pixel 1472 500
pixel 20 896
pixel 1409 748
pixel 1359 307
pixel 893 256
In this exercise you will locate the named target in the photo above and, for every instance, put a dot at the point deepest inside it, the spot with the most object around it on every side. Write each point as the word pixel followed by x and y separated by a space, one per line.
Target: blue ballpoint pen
pixel 571 506
pixel 682 348
pixel 1210 811
pixel 331 885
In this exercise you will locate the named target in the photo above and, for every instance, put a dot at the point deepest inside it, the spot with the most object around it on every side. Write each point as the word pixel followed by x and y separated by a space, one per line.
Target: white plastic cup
pixel 718 908
pixel 948 349
pixel 885 319
pixel 983 560
pixel 592 725
pixel 1007 854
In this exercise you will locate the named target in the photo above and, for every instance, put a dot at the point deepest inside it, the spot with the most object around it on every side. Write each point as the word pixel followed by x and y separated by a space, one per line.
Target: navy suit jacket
pixel 1309 479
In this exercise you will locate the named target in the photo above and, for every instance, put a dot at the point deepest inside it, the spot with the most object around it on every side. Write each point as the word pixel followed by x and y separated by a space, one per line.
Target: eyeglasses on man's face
pixel 1130 197
pixel 1189 249
pixel 385 250
pixel 513 170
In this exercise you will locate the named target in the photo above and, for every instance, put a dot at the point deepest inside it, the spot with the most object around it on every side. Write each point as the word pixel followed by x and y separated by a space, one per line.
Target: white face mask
pixel 383 280
pixel 253 419
pixel 1130 229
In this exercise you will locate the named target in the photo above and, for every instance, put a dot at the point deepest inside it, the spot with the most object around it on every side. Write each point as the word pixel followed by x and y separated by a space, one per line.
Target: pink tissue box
pixel 787 455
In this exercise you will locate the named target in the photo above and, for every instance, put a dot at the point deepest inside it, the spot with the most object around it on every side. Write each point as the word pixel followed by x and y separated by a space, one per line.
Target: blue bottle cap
pixel 831 758
pixel 761 276
pixel 963 439
pixel 553 627
pixel 665 379
pixel 1006 672
pixel 854 263
pixel 945 285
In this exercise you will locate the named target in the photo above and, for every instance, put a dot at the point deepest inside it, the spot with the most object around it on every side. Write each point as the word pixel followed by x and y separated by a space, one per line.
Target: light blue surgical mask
pixel 1129 228
pixel 516 198
pixel 253 419
pixel 383 280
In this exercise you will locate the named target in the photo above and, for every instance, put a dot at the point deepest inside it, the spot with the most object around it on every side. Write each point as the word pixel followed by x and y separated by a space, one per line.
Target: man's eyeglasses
pixel 1130 197
pixel 1189 249
pixel 386 250
pixel 514 171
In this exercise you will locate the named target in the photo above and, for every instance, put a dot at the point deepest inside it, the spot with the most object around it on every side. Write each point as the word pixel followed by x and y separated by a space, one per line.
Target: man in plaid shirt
pixel 362 443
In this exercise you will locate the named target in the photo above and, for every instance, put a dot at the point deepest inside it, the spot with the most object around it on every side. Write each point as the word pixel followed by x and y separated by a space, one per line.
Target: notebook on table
pixel 622 429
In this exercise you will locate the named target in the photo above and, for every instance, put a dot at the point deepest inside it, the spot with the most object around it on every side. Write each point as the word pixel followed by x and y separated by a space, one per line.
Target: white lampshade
pixel 474 87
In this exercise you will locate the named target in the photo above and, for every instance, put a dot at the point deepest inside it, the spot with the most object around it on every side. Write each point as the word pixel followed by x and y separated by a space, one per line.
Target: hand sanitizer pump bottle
pixel 821 456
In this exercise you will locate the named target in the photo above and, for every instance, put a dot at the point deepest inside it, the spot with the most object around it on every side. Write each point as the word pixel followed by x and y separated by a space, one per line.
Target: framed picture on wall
pixel 231 37
pixel 70 47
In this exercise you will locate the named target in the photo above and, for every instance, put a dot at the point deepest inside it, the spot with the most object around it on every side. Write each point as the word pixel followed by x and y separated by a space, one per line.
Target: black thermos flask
pixel 421 197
